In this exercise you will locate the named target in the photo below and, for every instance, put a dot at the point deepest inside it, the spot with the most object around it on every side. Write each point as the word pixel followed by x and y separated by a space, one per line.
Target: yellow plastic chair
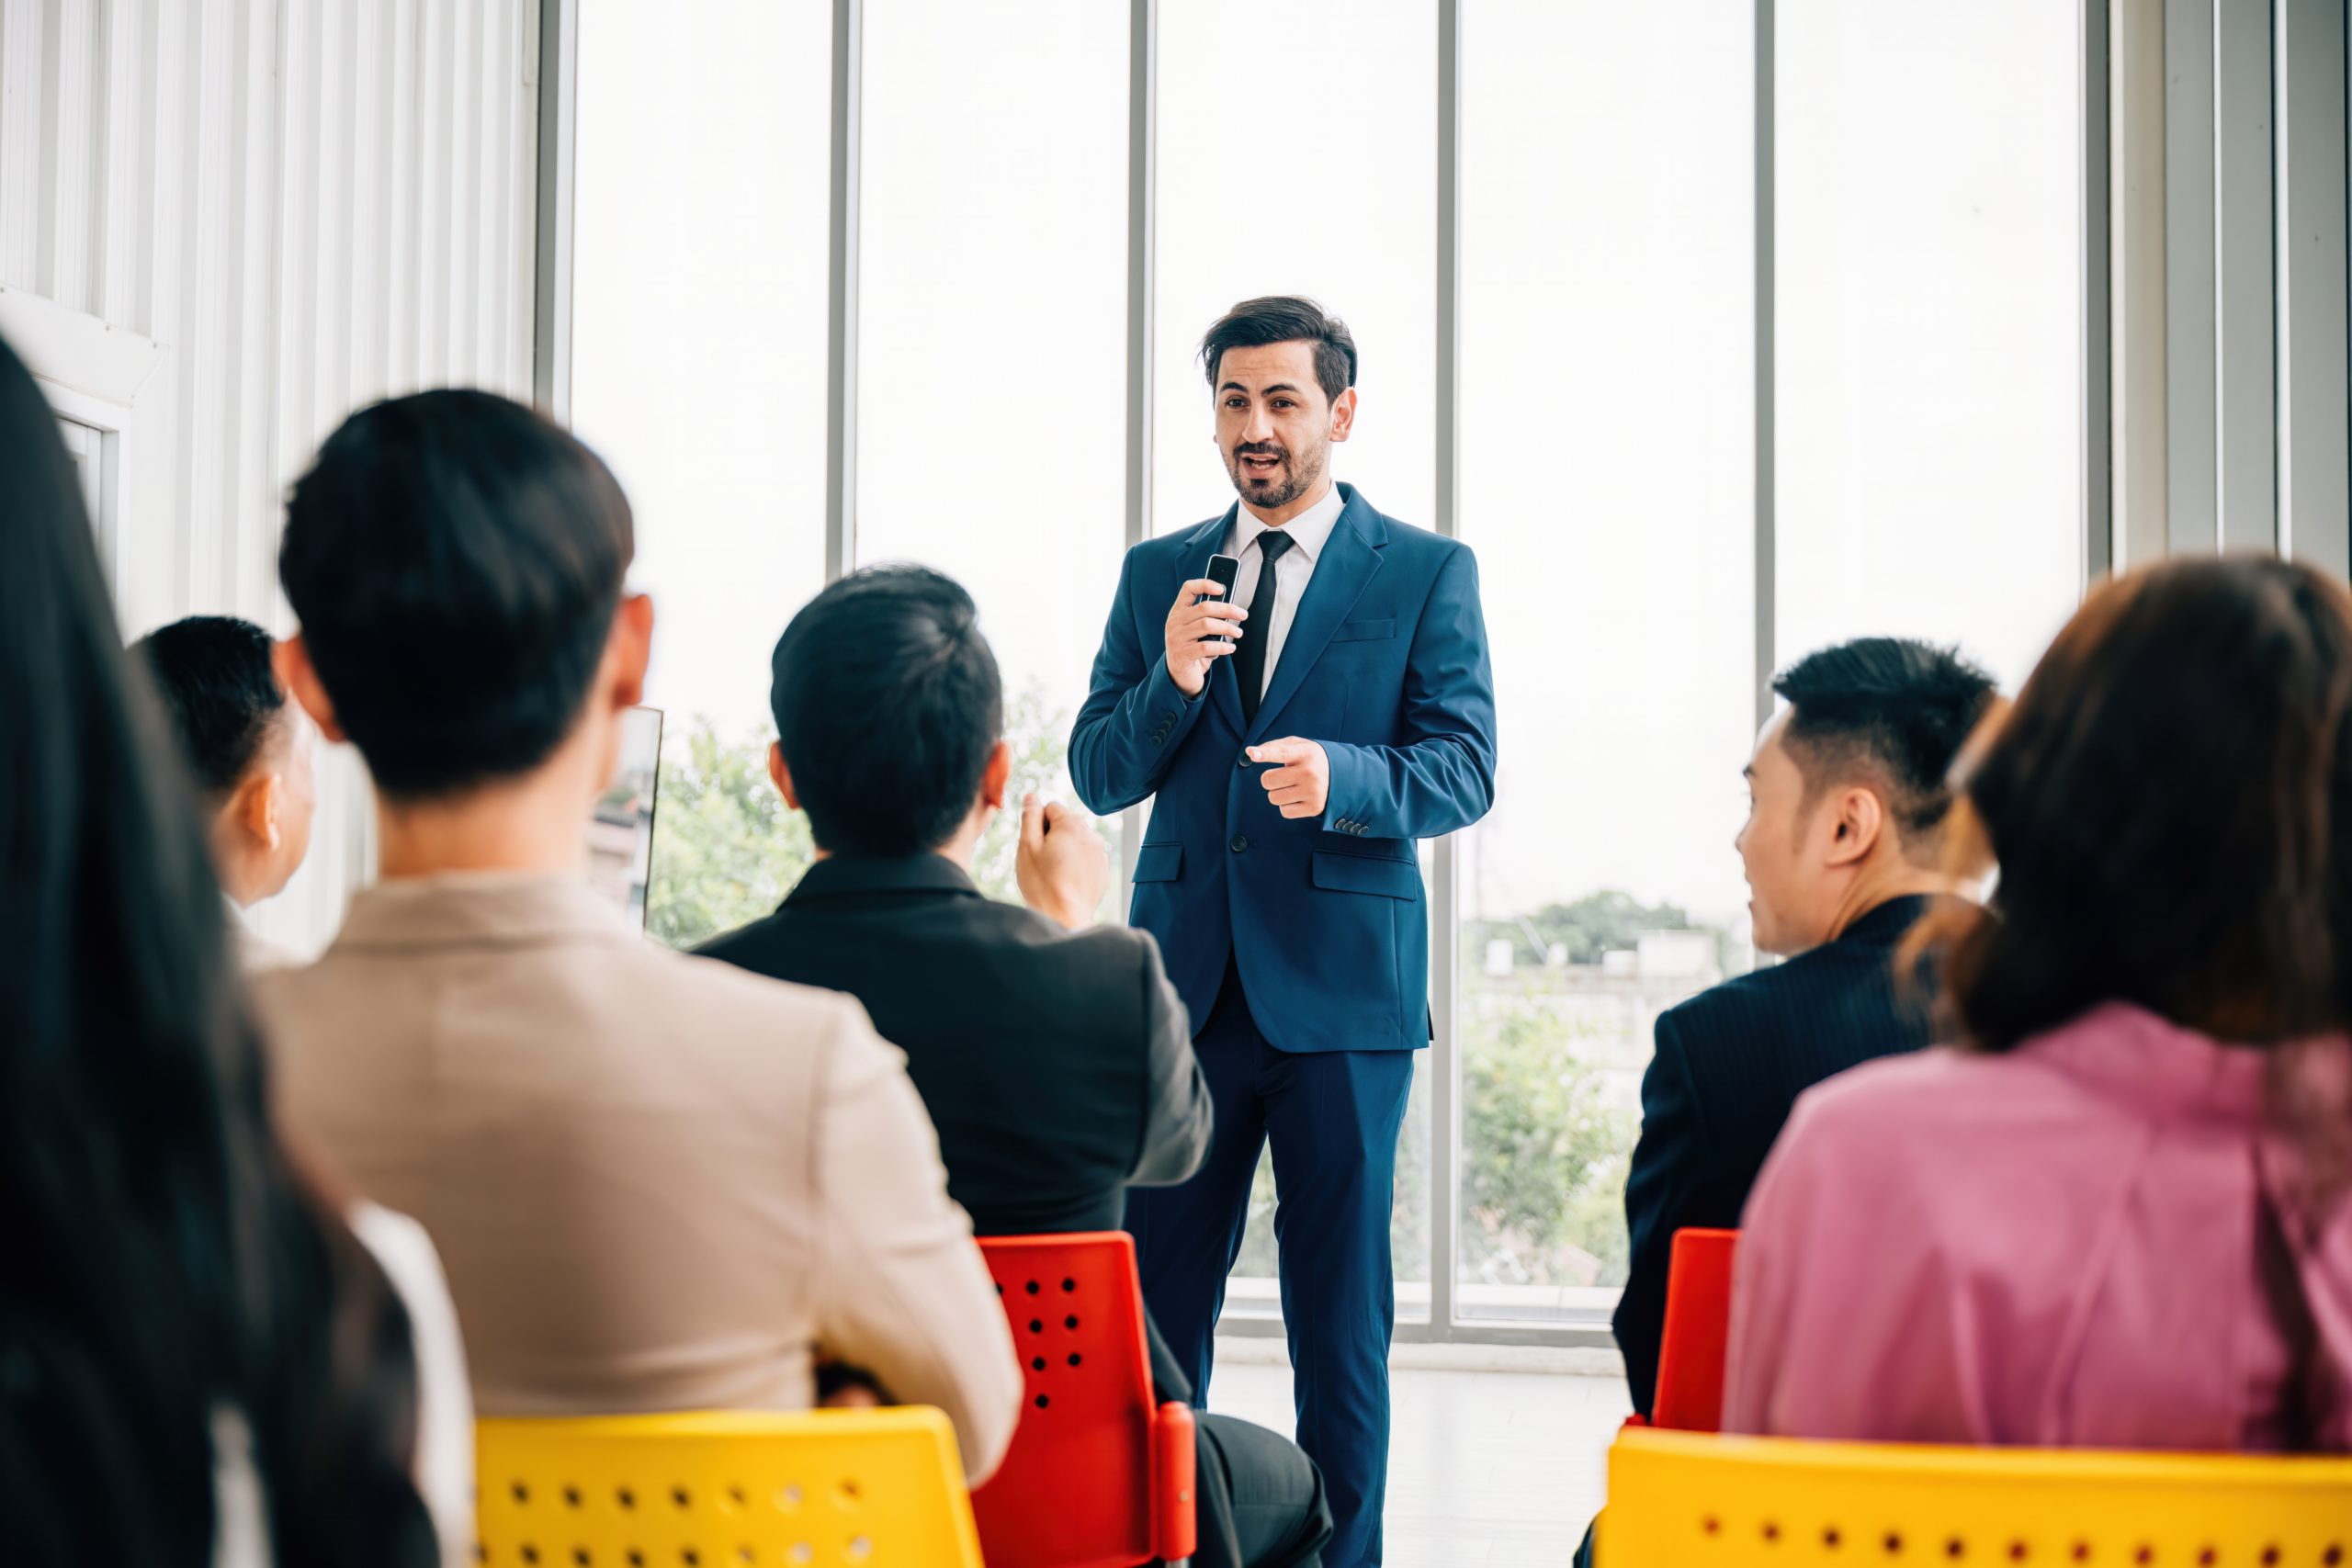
pixel 873 1488
pixel 1691 1500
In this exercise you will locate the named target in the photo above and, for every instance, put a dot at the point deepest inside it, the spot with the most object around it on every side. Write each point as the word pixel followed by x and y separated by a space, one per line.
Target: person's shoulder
pixel 717 1010
pixel 720 991
pixel 1094 952
pixel 1410 542
pixel 284 996
pixel 743 945
pixel 1167 549
pixel 1730 1014
pixel 1119 947
pixel 1890 1104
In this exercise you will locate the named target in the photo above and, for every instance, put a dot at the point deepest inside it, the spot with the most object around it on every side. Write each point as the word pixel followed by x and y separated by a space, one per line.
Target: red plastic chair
pixel 1698 1332
pixel 1097 1476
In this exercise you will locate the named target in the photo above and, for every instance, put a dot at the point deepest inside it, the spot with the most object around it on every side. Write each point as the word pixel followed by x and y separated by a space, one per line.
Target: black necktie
pixel 1250 659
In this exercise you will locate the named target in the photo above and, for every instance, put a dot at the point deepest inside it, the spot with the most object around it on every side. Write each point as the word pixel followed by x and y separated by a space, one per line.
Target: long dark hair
pixel 2170 801
pixel 160 1258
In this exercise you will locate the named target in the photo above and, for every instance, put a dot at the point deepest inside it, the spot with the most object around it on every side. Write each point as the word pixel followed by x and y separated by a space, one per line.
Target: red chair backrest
pixel 1698 1332
pixel 1076 1487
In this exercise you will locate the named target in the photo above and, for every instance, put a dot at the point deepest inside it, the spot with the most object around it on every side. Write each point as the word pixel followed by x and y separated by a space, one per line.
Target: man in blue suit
pixel 1296 739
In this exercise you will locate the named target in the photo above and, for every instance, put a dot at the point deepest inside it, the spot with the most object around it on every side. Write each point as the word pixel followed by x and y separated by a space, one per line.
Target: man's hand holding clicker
pixel 1199 613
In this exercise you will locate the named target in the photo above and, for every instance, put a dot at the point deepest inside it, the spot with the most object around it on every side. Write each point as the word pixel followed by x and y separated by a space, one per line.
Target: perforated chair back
pixel 873 1488
pixel 1686 1500
pixel 1099 1475
pixel 1690 1397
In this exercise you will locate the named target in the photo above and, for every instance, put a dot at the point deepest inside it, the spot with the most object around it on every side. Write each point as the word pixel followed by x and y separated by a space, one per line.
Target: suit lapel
pixel 1351 560
pixel 1205 541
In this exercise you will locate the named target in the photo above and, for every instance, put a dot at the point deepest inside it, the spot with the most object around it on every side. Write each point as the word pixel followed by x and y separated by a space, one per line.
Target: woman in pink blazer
pixel 2116 1215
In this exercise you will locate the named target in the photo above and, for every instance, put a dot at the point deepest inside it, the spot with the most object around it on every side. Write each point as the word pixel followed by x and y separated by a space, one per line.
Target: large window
pixel 992 337
pixel 1607 485
pixel 1290 193
pixel 1928 325
pixel 699 374
pixel 1922 386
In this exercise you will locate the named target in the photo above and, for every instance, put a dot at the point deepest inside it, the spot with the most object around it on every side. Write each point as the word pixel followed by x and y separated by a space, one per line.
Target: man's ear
pixel 631 648
pixel 1860 819
pixel 263 819
pixel 254 809
pixel 1343 415
pixel 782 776
pixel 290 662
pixel 997 777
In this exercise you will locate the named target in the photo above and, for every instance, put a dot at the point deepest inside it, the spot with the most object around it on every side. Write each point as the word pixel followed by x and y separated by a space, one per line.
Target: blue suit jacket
pixel 1386 665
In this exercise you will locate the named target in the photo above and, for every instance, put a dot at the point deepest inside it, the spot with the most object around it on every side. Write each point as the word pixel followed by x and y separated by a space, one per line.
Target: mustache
pixel 1261 449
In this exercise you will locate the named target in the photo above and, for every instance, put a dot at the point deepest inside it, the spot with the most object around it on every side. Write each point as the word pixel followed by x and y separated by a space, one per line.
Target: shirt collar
pixel 1308 531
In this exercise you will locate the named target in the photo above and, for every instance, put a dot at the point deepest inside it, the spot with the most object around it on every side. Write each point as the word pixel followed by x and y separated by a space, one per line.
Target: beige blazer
pixel 656 1183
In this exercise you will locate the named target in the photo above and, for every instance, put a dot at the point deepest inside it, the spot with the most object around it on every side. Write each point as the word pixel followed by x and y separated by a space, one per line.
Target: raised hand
pixel 1192 629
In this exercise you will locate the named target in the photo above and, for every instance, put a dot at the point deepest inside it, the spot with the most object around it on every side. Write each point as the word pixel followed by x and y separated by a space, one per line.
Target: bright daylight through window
pixel 1925 378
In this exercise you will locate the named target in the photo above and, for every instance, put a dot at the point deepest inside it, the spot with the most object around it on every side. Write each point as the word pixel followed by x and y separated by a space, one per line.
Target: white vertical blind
pixel 311 204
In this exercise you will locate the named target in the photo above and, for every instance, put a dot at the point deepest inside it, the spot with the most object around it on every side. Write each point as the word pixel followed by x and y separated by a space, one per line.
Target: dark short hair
pixel 219 692
pixel 456 560
pixel 888 703
pixel 2170 801
pixel 1286 318
pixel 1888 710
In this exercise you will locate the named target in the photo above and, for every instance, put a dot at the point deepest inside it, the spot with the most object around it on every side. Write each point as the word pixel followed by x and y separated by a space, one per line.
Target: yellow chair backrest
pixel 874 1488
pixel 1696 1501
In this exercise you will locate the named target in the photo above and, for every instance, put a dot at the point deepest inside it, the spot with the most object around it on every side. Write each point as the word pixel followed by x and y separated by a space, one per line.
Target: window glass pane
pixel 1928 330
pixel 1330 196
pixel 1333 195
pixel 1607 483
pixel 699 343
pixel 992 337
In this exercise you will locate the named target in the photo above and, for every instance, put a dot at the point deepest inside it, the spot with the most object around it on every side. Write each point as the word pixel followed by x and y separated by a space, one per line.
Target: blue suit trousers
pixel 1332 1118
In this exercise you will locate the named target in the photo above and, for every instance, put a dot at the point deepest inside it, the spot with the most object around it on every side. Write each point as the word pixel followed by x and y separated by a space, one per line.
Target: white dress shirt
pixel 1309 532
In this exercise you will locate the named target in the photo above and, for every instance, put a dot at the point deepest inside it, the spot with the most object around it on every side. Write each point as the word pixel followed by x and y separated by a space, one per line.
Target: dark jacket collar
pixel 1884 925
pixel 847 876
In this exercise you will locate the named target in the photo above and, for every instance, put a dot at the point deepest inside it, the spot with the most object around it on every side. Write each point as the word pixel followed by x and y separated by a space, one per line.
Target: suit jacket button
pixel 1244 763
pixel 1239 844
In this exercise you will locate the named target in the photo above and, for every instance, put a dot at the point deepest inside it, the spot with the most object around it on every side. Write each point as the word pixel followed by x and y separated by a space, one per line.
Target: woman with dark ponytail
pixel 200 1363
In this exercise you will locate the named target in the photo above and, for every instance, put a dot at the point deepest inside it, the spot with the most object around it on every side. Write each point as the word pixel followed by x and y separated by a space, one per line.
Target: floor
pixel 1501 1469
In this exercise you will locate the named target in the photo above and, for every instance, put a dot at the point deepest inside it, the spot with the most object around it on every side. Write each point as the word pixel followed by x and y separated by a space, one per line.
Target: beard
pixel 1281 485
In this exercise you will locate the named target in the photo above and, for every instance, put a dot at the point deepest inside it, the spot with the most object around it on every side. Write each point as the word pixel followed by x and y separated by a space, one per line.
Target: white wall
pixel 308 204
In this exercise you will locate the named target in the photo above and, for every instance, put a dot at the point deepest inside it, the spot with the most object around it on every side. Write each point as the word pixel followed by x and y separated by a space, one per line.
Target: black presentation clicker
pixel 1222 572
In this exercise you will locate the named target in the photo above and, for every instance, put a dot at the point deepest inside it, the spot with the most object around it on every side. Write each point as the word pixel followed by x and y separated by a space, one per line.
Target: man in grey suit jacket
pixel 658 1182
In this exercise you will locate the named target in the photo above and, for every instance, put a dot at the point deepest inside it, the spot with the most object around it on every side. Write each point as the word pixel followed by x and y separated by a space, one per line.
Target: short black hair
pixel 218 688
pixel 1889 708
pixel 888 703
pixel 1286 318
pixel 456 560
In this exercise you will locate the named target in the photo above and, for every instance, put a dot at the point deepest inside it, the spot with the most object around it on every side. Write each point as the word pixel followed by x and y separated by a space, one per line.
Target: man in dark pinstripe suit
pixel 1843 851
